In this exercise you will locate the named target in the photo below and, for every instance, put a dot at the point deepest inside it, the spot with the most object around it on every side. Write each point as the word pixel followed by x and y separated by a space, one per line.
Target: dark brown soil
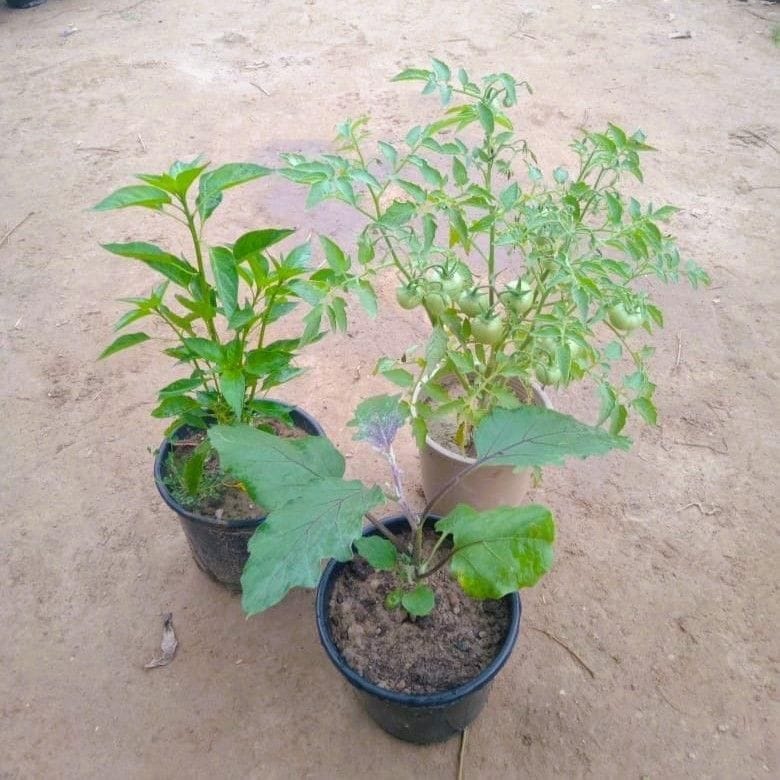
pixel 224 499
pixel 442 650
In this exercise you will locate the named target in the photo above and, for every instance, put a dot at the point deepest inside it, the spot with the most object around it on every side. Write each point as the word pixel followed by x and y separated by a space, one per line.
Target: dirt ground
pixel 665 584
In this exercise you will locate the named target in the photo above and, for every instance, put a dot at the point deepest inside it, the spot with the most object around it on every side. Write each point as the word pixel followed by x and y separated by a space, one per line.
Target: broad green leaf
pixel 123 342
pixel 263 361
pixel 135 195
pixel 486 118
pixel 256 241
pixel 274 468
pixel 647 409
pixel 378 551
pixel 389 152
pixel 233 384
pixel 441 69
pixel 225 278
pixel 171 267
pixel 417 192
pixel 206 349
pixel 534 436
pixel 399 213
pixel 617 420
pixel 419 602
pixel 501 550
pixel 322 521
pixel 398 376
pixel 459 172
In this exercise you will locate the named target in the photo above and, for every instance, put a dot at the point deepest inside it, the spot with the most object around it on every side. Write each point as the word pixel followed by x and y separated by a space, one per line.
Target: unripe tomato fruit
pixel 548 375
pixel 454 280
pixel 473 302
pixel 518 297
pixel 408 296
pixel 487 330
pixel 623 319
pixel 435 303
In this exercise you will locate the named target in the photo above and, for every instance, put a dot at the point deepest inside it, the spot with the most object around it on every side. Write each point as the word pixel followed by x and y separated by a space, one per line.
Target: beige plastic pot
pixel 484 488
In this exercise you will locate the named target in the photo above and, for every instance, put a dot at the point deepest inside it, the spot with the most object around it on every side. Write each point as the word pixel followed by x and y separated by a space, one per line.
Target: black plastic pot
pixel 420 718
pixel 219 547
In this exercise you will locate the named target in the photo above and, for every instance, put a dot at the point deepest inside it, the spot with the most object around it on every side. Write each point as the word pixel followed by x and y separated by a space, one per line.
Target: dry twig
pixel 141 141
pixel 567 649
pixel 724 451
pixel 108 149
pixel 15 227
pixel 462 752
pixel 257 86
pixel 679 353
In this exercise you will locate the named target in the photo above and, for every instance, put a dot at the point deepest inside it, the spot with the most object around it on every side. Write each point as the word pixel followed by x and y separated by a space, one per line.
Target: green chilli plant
pixel 524 275
pixel 316 514
pixel 219 303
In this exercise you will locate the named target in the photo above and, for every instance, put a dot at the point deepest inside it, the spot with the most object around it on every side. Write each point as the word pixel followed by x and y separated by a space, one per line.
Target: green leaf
pixel 646 409
pixel 534 436
pixel 399 213
pixel 412 74
pixel 459 172
pixel 135 195
pixel 175 406
pixel 436 348
pixel 225 278
pixel 179 387
pixel 389 152
pixel 273 468
pixel 500 550
pixel 367 297
pixel 485 118
pixel 206 349
pixel 337 314
pixel 379 552
pixel 254 242
pixel 264 361
pixel 335 256
pixel 207 202
pixel 192 473
pixel 123 342
pixel 441 70
pixel 171 267
pixel 233 384
pixel 419 602
pixel 231 175
pixel 417 192
pixel 429 231
pixel 613 351
pixel 617 419
pixel 398 376
pixel 322 521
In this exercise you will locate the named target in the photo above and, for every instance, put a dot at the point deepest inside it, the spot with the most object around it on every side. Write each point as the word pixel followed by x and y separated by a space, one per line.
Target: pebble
pixel 723 728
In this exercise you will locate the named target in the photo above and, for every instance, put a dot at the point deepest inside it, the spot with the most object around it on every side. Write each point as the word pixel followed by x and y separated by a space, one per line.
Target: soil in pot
pixel 218 496
pixel 440 651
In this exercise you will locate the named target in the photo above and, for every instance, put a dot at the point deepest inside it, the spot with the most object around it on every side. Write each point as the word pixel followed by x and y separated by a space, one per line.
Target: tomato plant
pixel 461 203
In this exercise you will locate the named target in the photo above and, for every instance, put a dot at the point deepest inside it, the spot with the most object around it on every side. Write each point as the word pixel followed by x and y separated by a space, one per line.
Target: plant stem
pixel 386 532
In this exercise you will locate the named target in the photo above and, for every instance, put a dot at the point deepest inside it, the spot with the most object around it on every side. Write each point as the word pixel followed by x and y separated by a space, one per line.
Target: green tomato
pixel 408 296
pixel 548 374
pixel 623 319
pixel 518 297
pixel 473 302
pixel 454 279
pixel 435 303
pixel 488 330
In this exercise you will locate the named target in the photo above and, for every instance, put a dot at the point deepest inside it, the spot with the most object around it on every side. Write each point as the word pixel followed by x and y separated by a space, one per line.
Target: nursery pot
pixel 218 546
pixel 484 488
pixel 420 718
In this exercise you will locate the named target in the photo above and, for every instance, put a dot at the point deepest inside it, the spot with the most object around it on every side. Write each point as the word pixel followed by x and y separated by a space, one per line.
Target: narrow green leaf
pixel 646 409
pixel 192 473
pixel 254 242
pixel 233 384
pixel 334 255
pixel 417 192
pixel 123 342
pixel 225 278
pixel 367 297
pixel 175 406
pixel 485 118
pixel 206 349
pixel 441 70
pixel 231 175
pixel 179 387
pixel 379 552
pixel 134 195
pixel 459 172
pixel 412 74
pixel 174 268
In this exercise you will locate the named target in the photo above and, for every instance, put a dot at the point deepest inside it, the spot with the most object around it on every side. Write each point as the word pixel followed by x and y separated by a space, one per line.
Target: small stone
pixel 482 634
pixel 723 728
pixel 692 755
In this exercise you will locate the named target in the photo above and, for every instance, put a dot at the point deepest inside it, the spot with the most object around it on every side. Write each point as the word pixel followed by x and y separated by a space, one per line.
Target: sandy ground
pixel 666 578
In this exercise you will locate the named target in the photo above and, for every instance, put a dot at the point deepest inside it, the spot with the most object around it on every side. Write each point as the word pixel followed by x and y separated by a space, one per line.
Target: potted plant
pixel 220 307
pixel 428 612
pixel 527 278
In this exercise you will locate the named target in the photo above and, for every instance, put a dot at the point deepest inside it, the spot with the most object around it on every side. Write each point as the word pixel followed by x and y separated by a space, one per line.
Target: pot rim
pixel 540 398
pixel 438 699
pixel 246 522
